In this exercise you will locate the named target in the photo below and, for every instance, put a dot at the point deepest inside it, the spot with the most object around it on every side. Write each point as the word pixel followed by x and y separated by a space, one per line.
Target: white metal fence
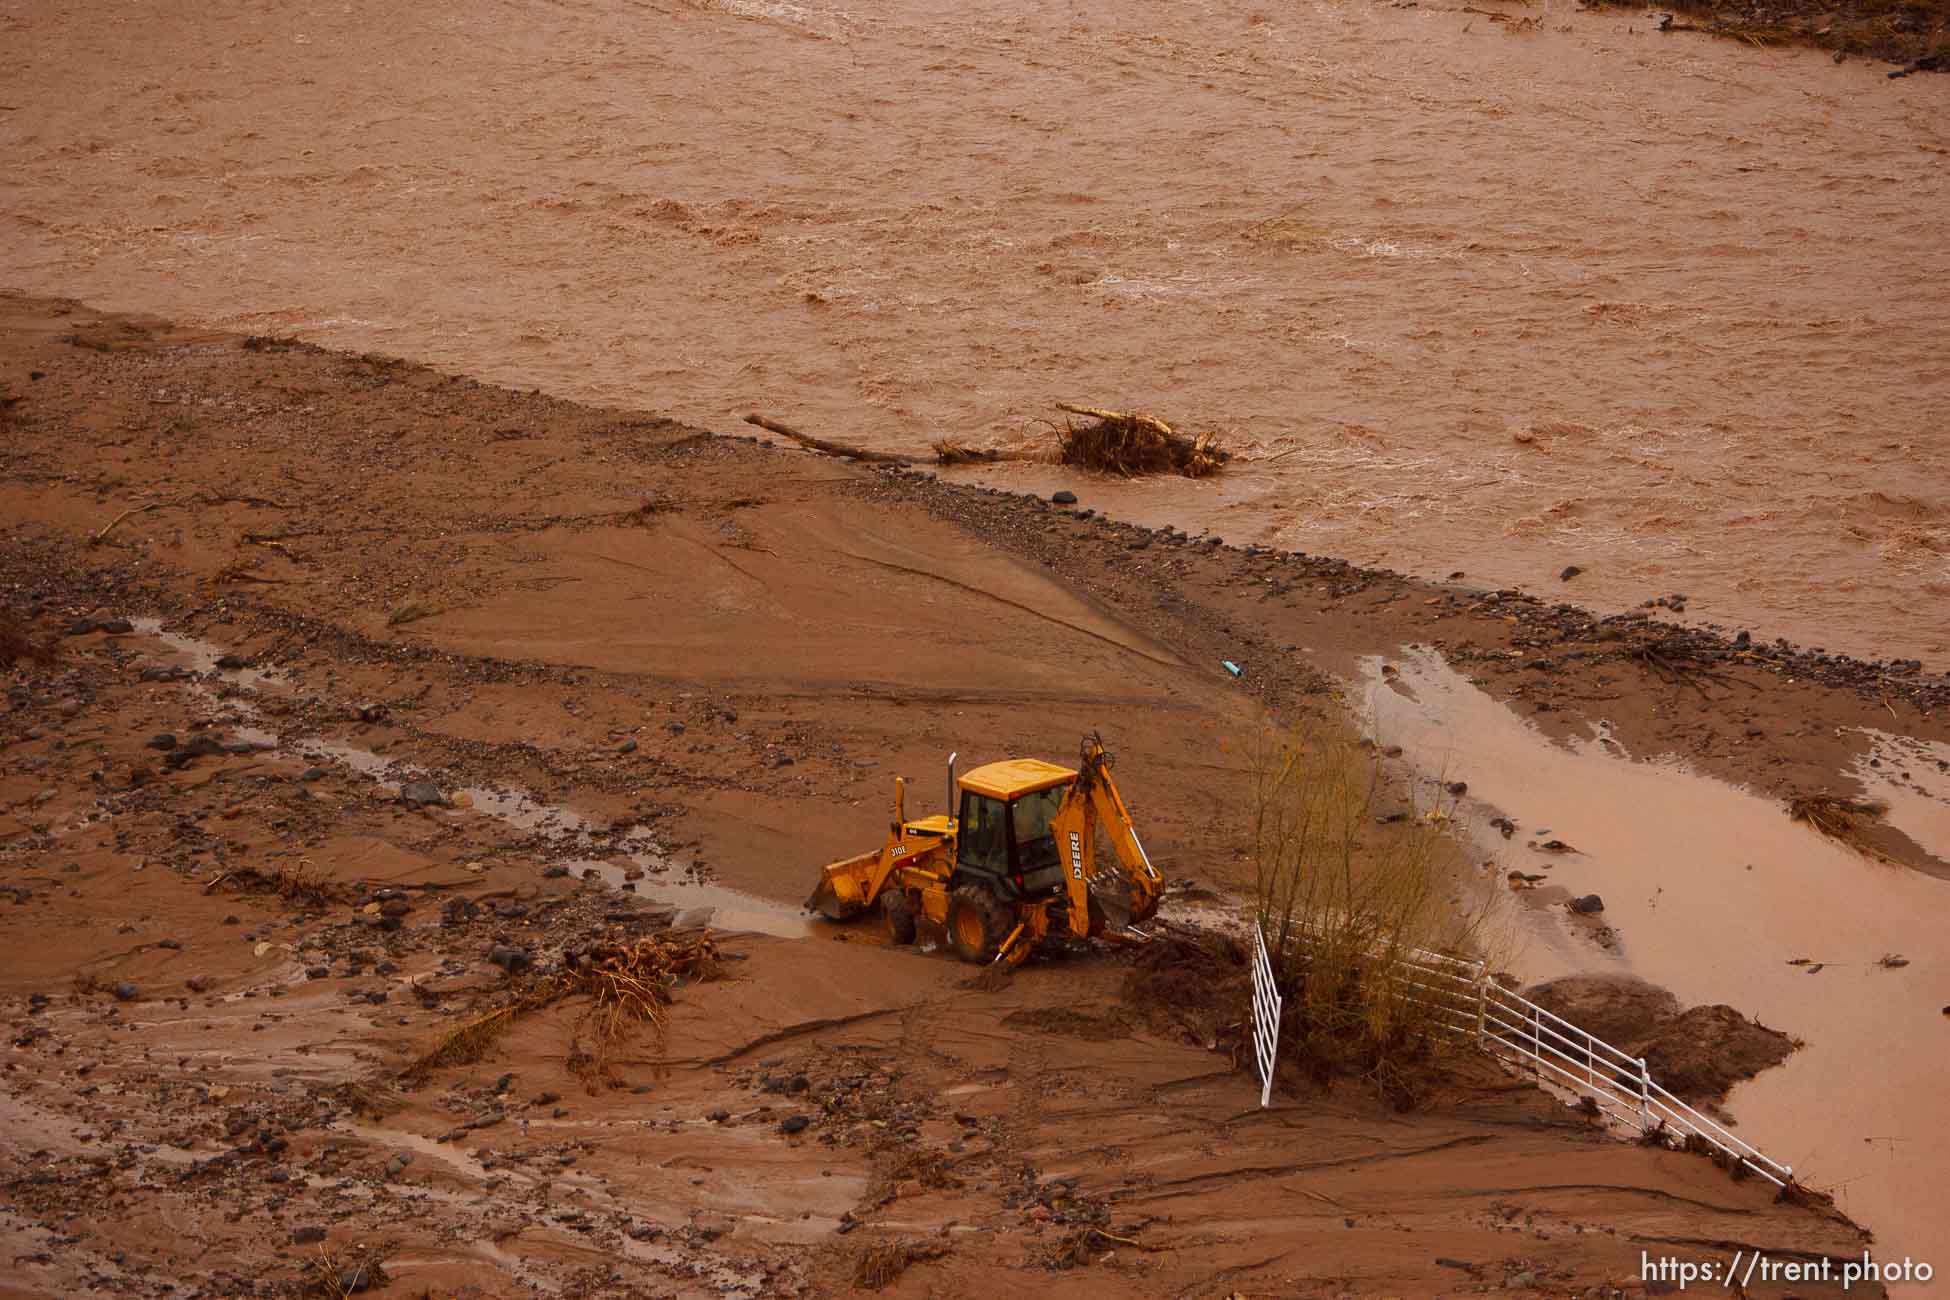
pixel 1266 1018
pixel 1556 1052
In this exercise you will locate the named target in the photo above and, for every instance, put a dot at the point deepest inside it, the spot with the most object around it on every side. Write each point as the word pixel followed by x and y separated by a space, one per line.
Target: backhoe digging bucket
pixel 841 893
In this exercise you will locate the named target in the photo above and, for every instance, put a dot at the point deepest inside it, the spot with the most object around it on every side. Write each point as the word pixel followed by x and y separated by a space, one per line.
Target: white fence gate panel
pixel 1266 1017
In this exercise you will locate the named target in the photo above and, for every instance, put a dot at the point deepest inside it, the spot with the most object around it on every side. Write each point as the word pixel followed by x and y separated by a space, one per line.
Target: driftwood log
pixel 822 445
pixel 1115 442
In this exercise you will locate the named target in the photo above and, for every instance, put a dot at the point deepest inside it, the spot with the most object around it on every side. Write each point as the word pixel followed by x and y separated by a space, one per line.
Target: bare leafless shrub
pixel 1343 897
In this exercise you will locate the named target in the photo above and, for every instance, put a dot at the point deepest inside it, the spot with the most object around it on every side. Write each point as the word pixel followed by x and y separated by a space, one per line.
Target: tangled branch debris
pixel 1680 660
pixel 305 884
pixel 627 982
pixel 300 883
pixel 954 453
pixel 882 1263
pixel 367 1099
pixel 1114 442
pixel 335 1276
pixel 1845 820
pixel 1131 444
pixel 1080 1247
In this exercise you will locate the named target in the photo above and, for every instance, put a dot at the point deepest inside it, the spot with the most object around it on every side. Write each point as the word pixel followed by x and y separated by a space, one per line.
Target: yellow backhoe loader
pixel 1016 862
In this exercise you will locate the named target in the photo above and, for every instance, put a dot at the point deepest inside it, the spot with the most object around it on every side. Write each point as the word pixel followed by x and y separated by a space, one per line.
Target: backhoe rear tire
pixel 897 910
pixel 978 922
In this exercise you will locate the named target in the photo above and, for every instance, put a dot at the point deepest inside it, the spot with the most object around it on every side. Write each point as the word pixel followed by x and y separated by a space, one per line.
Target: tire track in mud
pixel 1015 605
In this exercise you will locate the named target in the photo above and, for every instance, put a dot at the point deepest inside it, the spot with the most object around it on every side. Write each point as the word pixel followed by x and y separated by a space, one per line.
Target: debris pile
pixel 1698 1054
pixel 1131 444
pixel 955 453
pixel 299 883
pixel 1846 820
pixel 1188 985
pixel 882 1263
pixel 627 983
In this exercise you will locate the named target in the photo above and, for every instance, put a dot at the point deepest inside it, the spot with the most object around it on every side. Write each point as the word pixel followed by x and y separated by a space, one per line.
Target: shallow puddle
pixel 1711 891
pixel 1911 776
pixel 205 657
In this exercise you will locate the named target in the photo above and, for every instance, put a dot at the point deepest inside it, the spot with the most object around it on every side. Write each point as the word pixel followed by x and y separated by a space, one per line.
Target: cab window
pixel 1030 817
pixel 984 833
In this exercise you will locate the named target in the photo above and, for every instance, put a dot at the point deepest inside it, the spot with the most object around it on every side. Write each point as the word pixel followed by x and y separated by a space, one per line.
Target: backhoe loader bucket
pixel 842 891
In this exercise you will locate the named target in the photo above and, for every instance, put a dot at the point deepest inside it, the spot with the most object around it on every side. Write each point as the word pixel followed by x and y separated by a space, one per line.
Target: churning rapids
pixel 1497 297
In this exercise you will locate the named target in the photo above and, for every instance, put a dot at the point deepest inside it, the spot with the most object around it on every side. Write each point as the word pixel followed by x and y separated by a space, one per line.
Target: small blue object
pixel 1231 667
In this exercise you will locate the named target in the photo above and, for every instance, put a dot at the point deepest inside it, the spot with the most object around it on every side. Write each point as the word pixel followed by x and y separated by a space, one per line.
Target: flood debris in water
pixel 1130 443
pixel 955 453
pixel 1844 820
pixel 945 452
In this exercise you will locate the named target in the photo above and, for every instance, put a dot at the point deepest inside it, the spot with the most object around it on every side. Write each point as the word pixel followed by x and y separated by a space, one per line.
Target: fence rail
pixel 1560 1054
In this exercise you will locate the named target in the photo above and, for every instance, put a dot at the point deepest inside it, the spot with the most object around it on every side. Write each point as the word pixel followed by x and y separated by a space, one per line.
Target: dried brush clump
pixel 367 1099
pixel 880 1264
pixel 1132 444
pixel 301 884
pixel 305 884
pixel 336 1277
pixel 1080 1247
pixel 627 982
pixel 1845 820
pixel 1344 898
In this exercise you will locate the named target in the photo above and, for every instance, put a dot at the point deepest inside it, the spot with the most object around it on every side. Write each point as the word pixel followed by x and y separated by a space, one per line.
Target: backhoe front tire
pixel 978 922
pixel 897 910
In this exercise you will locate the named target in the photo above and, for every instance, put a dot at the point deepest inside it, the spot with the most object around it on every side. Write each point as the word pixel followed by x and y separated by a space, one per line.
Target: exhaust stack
pixel 951 783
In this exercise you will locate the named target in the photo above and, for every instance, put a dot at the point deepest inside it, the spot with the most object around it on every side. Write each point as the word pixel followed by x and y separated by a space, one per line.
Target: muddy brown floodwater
pixel 1715 896
pixel 1469 297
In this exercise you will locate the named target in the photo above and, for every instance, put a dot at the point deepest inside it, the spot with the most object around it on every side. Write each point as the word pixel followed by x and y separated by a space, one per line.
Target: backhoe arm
pixel 1094 801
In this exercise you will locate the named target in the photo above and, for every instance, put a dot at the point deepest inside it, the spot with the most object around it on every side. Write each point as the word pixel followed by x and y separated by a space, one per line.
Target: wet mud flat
pixel 1914 34
pixel 608 643
pixel 217 1068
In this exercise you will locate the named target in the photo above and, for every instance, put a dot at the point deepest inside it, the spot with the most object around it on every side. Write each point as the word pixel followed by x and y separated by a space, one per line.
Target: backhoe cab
pixel 1016 860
